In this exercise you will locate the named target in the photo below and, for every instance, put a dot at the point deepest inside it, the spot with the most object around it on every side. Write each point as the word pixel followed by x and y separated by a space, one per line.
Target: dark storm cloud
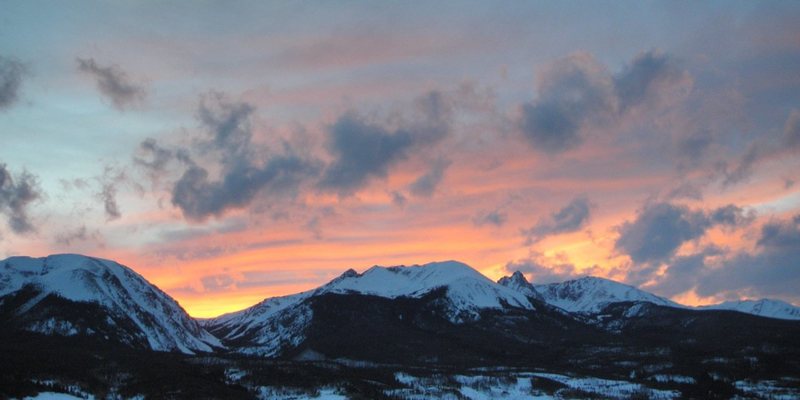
pixel 569 219
pixel 426 185
pixel 363 150
pixel 16 196
pixel 571 90
pixel 11 73
pixel 661 228
pixel 496 218
pixel 113 83
pixel 243 173
pixel 639 78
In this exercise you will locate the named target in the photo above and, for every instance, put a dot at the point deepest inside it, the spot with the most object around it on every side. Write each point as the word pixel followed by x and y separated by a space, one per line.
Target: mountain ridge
pixel 455 291
pixel 59 285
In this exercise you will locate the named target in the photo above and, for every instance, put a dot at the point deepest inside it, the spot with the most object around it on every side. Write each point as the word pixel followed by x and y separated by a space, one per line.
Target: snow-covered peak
pixel 402 280
pixel 467 289
pixel 590 294
pixel 119 289
pixel 280 322
pixel 765 308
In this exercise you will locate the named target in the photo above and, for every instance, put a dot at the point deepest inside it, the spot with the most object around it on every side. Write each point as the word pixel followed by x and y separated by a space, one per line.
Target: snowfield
pixel 764 307
pixel 590 294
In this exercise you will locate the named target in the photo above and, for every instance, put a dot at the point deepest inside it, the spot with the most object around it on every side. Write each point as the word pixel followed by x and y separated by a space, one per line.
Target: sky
pixel 233 151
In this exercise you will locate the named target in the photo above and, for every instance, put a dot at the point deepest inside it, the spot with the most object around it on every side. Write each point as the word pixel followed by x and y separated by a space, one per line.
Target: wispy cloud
pixel 11 73
pixel 17 194
pixel 113 83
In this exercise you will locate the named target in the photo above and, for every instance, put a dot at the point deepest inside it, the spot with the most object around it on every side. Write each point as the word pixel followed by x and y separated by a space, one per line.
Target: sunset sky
pixel 230 152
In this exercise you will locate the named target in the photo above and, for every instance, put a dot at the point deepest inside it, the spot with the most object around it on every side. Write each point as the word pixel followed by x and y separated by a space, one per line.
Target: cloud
pixel 113 83
pixel 153 158
pixel 685 190
pixel 426 185
pixel 731 215
pixel 243 172
pixel 661 228
pixel 213 283
pixel 109 196
pixel 771 269
pixel 11 73
pixel 683 272
pixel 693 148
pixel 642 77
pixel 577 90
pixel 398 198
pixel 791 131
pixel 109 182
pixel 199 196
pixel 363 151
pixel 744 166
pixel 496 218
pixel 571 218
pixel 786 144
pixel 80 234
pixel 16 196
pixel 571 91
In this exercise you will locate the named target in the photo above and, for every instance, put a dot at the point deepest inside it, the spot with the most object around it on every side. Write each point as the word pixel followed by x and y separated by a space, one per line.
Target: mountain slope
pixel 460 295
pixel 71 294
pixel 764 308
pixel 584 295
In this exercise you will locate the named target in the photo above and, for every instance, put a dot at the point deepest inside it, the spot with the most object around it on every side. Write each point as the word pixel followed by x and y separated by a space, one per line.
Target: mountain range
pixel 65 295
pixel 437 314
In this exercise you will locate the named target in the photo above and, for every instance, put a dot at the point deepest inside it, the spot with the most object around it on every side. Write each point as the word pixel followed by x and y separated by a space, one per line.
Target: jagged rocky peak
pixel 516 279
pixel 350 273
pixel 519 283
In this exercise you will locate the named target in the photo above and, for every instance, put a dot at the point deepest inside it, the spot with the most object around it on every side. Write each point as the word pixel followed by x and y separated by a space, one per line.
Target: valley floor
pixel 221 377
